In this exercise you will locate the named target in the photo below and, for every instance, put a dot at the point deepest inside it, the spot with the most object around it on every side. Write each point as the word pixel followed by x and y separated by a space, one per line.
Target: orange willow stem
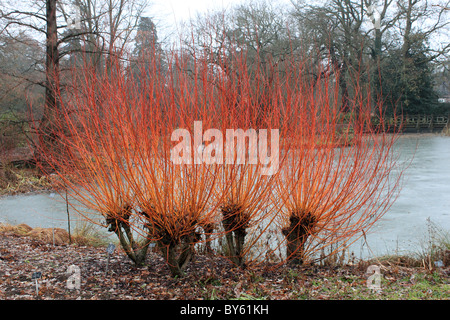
pixel 332 181
pixel 339 176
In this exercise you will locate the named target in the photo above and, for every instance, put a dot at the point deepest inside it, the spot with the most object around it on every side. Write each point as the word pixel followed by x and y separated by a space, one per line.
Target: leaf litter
pixel 207 277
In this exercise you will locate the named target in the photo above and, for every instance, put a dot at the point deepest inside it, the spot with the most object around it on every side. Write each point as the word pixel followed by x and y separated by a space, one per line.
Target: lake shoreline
pixel 23 181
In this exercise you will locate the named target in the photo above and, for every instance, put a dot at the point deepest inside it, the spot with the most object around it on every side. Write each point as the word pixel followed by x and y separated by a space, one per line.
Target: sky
pixel 183 9
pixel 168 13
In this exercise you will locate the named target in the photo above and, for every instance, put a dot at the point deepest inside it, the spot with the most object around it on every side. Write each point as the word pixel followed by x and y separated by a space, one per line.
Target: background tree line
pixel 397 49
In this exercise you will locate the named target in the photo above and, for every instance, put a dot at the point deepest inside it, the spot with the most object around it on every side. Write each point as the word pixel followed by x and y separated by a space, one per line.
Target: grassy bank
pixel 22 180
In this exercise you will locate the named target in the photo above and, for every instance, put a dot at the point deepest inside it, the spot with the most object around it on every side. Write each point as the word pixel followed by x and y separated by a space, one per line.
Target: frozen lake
pixel 425 194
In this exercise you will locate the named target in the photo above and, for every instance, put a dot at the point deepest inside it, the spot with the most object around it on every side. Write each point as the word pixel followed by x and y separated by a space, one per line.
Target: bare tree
pixel 336 29
pixel 421 21
pixel 254 33
pixel 41 18
pixel 105 27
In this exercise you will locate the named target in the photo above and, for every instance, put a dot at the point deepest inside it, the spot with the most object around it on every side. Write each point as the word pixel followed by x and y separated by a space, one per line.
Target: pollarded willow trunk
pixel 235 224
pixel 176 241
pixel 178 253
pixel 301 226
pixel 120 225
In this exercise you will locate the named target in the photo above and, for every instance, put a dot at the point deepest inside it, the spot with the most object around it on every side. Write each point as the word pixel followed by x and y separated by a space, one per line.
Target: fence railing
pixel 418 123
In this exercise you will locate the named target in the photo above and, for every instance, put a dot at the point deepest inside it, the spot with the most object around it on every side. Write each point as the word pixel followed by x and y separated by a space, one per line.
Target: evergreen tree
pixel 407 81
pixel 146 40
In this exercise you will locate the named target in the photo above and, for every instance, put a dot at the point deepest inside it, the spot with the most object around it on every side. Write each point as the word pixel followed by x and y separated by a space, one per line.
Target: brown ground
pixel 208 277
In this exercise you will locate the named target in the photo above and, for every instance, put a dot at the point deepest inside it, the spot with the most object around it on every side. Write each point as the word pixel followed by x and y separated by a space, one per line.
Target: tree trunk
pixel 340 69
pixel 235 223
pixel 136 251
pixel 177 255
pixel 376 86
pixel 297 233
pixel 47 127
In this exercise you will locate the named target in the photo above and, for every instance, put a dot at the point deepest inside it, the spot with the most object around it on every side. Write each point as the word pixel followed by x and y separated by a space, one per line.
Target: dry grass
pixel 56 235
pixel 83 236
pixel 17 181
pixel 21 229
